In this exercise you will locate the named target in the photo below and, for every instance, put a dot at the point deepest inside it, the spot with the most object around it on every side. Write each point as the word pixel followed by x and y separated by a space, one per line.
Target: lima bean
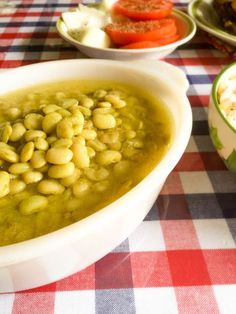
pixel 33 204
pixel 115 146
pixel 87 102
pixel 115 101
pixel 9 155
pixel 62 143
pixel 81 187
pixel 100 93
pixel 30 135
pixel 16 186
pixel 104 104
pixel 32 176
pixel 18 130
pixel 19 168
pixel 14 113
pixel 33 121
pixel 64 129
pixel 6 132
pixel 38 159
pixel 108 157
pixel 96 174
pixel 85 111
pixel 64 113
pixel 4 183
pixel 27 152
pixel 104 121
pixel 67 103
pixel 70 180
pixel 96 145
pixel 101 186
pixel 50 121
pixel 89 134
pixel 50 108
pixel 40 143
pixel 59 156
pixel 80 155
pixel 61 171
pixel 50 186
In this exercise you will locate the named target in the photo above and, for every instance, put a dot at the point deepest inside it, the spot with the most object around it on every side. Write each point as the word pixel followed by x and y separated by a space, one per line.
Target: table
pixel 182 258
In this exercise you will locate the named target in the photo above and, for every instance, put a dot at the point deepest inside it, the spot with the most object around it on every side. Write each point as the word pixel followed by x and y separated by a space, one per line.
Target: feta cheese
pixel 95 17
pixel 74 19
pixel 85 25
pixel 95 37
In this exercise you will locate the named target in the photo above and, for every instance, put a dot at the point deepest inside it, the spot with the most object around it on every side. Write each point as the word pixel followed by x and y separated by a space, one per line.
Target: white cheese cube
pixel 95 37
pixel 74 19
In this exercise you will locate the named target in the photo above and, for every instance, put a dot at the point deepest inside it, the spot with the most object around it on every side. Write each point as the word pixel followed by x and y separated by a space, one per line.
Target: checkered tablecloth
pixel 182 258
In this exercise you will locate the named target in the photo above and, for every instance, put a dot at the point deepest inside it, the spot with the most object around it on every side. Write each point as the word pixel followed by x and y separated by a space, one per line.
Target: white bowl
pixel 186 29
pixel 222 133
pixel 206 18
pixel 58 254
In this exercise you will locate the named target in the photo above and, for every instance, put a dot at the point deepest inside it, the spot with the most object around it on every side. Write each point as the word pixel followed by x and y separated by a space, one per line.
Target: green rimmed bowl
pixel 186 29
pixel 222 133
pixel 206 18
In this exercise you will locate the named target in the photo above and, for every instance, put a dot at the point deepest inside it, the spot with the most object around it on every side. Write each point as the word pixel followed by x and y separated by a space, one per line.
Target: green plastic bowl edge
pixel 193 7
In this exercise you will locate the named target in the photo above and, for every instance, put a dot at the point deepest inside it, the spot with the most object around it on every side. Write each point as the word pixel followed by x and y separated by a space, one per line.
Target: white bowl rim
pixel 14 253
pixel 188 19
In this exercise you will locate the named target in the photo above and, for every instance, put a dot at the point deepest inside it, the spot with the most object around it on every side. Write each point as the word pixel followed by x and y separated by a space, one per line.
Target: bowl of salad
pixel 126 29
pixel 222 115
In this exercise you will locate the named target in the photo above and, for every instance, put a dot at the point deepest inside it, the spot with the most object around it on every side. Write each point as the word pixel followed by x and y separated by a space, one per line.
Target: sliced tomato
pixel 143 9
pixel 124 33
pixel 152 44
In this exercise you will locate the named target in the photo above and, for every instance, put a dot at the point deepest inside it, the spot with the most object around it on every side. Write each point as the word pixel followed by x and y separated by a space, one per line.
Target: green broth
pixel 144 128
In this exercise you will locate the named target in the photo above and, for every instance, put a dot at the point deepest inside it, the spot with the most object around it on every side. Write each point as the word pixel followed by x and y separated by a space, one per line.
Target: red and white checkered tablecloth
pixel 182 258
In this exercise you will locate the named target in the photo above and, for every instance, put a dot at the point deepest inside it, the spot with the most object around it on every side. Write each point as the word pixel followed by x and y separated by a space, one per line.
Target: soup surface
pixel 69 148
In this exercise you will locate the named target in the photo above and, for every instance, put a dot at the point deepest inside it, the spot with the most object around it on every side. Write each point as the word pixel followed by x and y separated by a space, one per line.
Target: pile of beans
pixel 69 144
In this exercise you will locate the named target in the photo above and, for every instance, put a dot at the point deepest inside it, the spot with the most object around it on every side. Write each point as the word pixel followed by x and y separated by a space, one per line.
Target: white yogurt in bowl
pixel 222 115
pixel 227 99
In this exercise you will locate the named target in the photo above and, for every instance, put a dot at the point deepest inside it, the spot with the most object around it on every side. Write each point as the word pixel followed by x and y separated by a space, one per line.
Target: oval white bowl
pixel 58 254
pixel 186 28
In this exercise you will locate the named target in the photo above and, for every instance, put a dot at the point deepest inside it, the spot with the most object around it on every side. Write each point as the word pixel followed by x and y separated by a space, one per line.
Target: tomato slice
pixel 124 33
pixel 143 9
pixel 152 44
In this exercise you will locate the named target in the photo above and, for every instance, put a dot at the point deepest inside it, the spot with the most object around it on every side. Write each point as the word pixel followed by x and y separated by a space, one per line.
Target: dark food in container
pixel 226 10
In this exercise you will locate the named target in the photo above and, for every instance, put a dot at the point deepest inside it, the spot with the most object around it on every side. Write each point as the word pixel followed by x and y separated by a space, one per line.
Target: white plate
pixel 186 28
pixel 206 18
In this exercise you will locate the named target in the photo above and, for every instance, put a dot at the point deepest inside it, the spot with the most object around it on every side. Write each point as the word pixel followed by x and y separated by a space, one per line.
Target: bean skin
pixel 61 171
pixel 4 183
pixel 38 159
pixel 27 152
pixel 80 155
pixel 32 176
pixel 33 204
pixel 50 186
pixel 59 156
pixel 104 121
